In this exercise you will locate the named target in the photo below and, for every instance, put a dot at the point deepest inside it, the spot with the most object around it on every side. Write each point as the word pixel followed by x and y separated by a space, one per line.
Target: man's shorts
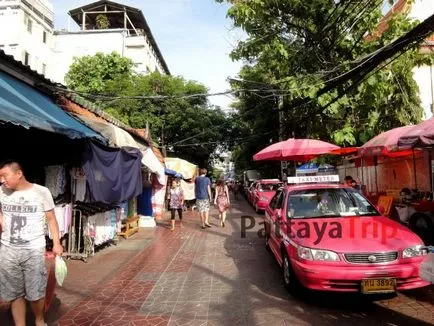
pixel 202 205
pixel 22 273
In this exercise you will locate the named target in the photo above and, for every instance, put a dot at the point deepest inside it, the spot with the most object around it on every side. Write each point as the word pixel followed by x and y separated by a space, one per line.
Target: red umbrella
pixel 386 144
pixel 295 150
pixel 421 134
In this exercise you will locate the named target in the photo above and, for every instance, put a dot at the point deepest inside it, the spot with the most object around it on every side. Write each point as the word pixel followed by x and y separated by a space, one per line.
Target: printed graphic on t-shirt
pixel 19 228
pixel 24 216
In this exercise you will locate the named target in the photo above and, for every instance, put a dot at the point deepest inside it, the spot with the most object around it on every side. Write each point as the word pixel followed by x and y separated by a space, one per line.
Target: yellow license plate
pixel 379 285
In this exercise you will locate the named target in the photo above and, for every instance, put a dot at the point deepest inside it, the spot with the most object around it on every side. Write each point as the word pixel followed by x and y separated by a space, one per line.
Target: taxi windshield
pixel 330 202
pixel 269 186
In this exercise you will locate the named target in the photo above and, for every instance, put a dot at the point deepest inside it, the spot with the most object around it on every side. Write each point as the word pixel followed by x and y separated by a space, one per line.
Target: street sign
pixel 313 179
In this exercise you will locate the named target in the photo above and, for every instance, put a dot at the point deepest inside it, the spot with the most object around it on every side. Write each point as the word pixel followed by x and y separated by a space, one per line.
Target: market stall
pixel 396 179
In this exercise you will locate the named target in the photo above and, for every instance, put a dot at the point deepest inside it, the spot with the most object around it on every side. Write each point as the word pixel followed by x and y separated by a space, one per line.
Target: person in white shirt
pixel 25 208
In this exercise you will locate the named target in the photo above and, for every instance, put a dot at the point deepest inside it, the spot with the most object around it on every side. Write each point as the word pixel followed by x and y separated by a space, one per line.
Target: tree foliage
pixel 293 48
pixel 187 127
pixel 89 74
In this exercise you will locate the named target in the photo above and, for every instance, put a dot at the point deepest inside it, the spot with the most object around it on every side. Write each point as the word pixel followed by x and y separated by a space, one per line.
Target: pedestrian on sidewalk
pixel 176 202
pixel 203 197
pixel 25 208
pixel 222 200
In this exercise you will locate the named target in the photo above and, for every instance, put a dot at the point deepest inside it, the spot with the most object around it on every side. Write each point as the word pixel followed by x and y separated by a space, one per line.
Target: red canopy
pixel 386 144
pixel 418 135
pixel 344 151
pixel 302 150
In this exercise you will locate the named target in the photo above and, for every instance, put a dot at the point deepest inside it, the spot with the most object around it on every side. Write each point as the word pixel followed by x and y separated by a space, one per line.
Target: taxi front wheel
pixel 289 278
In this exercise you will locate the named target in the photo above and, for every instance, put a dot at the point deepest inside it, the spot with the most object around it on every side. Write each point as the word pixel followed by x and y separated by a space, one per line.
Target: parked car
pixel 329 237
pixel 263 192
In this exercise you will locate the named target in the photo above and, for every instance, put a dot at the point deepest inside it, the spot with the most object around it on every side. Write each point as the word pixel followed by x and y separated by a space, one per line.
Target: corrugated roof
pixel 23 105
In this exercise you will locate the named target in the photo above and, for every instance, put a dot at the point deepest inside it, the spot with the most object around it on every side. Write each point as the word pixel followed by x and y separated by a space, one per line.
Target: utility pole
pixel 283 164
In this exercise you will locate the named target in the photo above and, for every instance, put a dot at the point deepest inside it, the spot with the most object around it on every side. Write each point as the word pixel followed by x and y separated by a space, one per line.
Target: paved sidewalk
pixel 210 277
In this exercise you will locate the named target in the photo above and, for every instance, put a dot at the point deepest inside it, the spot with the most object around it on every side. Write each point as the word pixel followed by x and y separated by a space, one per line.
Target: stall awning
pixel 183 167
pixel 116 136
pixel 22 105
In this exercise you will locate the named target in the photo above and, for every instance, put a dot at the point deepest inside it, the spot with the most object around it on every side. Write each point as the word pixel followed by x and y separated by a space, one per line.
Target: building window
pixel 44 69
pixel 26 58
pixel 44 36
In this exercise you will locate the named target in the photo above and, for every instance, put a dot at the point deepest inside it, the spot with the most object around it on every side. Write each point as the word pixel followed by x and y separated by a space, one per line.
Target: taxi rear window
pixel 328 202
pixel 270 186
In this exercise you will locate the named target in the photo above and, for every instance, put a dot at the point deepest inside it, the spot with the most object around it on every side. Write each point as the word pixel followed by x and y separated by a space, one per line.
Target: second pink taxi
pixel 327 236
pixel 262 192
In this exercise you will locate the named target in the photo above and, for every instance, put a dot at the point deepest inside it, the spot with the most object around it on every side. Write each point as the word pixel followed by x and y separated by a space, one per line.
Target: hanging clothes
pixel 158 197
pixel 80 184
pixel 113 174
pixel 55 179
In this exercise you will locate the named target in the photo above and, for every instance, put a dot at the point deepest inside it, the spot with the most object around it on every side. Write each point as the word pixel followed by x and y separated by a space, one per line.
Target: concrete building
pixel 107 26
pixel 27 29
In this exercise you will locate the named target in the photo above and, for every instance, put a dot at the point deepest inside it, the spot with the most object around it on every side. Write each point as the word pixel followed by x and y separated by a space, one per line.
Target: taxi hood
pixel 352 234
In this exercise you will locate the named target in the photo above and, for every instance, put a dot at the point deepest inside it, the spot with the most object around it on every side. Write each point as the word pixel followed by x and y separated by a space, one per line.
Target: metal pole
pixel 432 89
pixel 376 176
pixel 430 169
pixel 414 170
pixel 281 136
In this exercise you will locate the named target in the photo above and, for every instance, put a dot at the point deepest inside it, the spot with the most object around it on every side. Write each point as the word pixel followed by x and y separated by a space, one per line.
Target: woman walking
pixel 176 202
pixel 222 200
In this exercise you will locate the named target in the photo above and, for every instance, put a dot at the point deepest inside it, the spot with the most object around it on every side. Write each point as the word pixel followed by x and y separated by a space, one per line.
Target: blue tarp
pixel 144 202
pixel 173 173
pixel 326 168
pixel 113 174
pixel 307 168
pixel 22 105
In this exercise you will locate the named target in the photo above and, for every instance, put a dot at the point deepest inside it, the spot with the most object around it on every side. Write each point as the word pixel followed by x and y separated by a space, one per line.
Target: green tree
pixel 184 124
pixel 293 48
pixel 89 74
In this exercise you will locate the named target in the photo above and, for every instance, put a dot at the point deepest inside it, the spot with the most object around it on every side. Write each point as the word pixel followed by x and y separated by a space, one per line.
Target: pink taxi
pixel 263 192
pixel 327 236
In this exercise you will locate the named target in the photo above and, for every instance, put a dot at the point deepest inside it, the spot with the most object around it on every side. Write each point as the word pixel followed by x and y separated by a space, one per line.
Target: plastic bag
pixel 60 270
pixel 427 269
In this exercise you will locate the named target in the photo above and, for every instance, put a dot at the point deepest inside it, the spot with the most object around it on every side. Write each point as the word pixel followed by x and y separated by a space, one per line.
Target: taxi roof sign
pixel 314 179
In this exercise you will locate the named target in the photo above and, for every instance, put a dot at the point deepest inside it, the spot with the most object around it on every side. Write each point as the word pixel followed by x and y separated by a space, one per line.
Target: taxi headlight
pixel 414 251
pixel 317 254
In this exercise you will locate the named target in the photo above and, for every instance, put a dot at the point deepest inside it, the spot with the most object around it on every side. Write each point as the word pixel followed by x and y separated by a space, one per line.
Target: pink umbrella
pixel 295 150
pixel 386 144
pixel 421 134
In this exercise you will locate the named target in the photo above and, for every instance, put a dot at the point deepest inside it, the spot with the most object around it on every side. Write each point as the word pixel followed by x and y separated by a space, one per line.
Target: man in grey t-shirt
pixel 25 208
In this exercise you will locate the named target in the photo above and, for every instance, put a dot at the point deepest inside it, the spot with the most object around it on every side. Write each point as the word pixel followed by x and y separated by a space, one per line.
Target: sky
pixel 194 36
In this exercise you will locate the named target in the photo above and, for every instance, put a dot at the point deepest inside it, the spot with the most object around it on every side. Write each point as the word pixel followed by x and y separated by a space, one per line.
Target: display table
pixel 129 227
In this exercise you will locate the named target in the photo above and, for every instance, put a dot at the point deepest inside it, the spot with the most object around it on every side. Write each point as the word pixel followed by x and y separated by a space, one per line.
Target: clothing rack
pixel 75 239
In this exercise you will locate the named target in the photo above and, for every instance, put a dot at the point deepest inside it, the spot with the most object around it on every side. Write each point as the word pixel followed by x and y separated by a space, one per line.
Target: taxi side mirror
pixel 381 209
